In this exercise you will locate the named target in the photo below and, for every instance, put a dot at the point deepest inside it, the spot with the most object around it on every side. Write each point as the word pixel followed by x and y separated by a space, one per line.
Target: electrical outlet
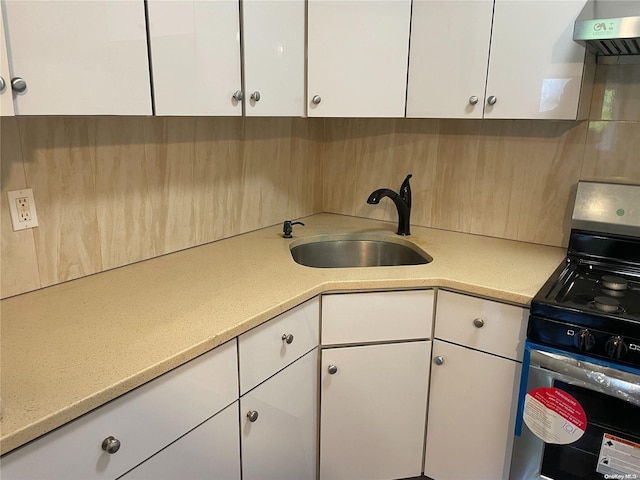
pixel 23 209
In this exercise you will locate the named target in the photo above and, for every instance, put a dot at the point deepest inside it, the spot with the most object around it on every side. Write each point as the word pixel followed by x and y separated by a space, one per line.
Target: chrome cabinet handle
pixel 3 84
pixel 316 99
pixel 18 84
pixel 438 360
pixel 287 338
pixel 252 415
pixel 492 100
pixel 255 96
pixel 478 322
pixel 473 100
pixel 111 445
pixel 238 95
pixel 332 369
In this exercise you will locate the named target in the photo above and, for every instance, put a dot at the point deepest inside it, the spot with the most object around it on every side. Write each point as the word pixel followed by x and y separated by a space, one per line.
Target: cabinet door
pixel 273 38
pixel 212 450
pixel 79 58
pixel 357 57
pixel 471 414
pixel 535 67
pixel 449 56
pixel 281 443
pixel 373 411
pixel 195 56
pixel 6 99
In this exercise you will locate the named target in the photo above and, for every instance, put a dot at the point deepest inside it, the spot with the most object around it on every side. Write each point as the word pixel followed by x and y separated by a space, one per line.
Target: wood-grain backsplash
pixel 111 191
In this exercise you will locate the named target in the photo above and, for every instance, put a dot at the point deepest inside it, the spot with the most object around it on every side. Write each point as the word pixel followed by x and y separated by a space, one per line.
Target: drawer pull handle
pixel 287 338
pixel 252 415
pixel 111 445
pixel 438 360
pixel 332 369
pixel 478 323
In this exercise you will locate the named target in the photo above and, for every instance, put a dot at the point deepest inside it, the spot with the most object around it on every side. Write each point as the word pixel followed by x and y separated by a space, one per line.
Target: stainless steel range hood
pixel 610 27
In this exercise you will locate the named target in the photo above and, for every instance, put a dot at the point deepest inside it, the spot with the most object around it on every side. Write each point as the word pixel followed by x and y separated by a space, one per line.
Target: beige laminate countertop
pixel 70 348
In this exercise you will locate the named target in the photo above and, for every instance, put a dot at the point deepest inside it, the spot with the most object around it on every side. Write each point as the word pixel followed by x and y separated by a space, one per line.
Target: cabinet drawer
pixel 501 328
pixel 265 350
pixel 376 316
pixel 144 421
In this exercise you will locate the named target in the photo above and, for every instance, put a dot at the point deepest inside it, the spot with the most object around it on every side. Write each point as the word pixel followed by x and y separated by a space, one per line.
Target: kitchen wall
pixel 111 191
pixel 509 179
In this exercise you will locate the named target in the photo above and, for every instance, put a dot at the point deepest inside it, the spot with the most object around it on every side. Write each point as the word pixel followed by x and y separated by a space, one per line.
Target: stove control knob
pixel 584 340
pixel 616 348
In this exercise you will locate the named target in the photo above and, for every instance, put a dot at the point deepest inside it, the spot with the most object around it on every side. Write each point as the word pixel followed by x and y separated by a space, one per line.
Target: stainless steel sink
pixel 342 251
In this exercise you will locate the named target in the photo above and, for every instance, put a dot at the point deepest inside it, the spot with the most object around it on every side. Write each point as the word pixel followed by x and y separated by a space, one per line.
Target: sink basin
pixel 342 251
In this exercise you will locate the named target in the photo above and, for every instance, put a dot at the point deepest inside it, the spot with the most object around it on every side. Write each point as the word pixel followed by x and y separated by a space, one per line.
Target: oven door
pixel 578 418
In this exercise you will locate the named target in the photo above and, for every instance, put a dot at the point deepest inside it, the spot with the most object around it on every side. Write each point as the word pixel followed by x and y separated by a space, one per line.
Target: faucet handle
pixel 287 228
pixel 405 191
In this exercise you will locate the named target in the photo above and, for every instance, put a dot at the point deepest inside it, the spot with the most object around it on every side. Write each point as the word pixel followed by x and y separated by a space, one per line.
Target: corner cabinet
pixel 474 381
pixel 532 70
pixel 373 392
pixel 357 58
pixel 77 58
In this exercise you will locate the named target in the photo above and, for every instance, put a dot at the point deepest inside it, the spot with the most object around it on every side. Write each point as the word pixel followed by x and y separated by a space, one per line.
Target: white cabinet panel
pixel 471 414
pixel 373 411
pixel 520 52
pixel 376 316
pixel 79 58
pixel 195 56
pixel 357 57
pixel 500 329
pixel 535 69
pixel 273 37
pixel 448 59
pixel 6 99
pixel 212 450
pixel 144 421
pixel 263 351
pixel 281 444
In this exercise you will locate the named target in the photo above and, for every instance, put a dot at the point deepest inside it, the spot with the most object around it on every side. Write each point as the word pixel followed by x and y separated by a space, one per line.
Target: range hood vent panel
pixel 610 27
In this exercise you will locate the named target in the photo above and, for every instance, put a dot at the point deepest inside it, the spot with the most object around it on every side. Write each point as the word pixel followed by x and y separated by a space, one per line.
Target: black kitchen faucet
pixel 402 201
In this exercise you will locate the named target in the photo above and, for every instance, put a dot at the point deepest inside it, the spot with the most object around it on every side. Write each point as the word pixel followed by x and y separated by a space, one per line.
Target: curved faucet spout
pixel 402 202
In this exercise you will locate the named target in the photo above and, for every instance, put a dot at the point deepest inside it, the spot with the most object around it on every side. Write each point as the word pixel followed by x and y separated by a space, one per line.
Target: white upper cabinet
pixel 527 66
pixel 195 56
pixel 273 36
pixel 6 101
pixel 78 58
pixel 357 57
pixel 535 69
pixel 448 60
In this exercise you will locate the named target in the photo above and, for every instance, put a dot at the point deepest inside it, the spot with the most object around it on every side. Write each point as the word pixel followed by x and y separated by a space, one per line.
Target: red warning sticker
pixel 554 416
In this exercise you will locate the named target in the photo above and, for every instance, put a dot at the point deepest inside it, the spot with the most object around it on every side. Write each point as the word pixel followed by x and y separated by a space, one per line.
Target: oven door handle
pixel 615 382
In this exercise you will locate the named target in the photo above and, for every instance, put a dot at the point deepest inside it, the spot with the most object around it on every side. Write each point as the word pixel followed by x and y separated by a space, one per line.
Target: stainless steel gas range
pixel 579 404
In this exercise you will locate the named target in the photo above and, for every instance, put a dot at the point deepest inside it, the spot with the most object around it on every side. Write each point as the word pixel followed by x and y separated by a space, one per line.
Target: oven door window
pixel 585 459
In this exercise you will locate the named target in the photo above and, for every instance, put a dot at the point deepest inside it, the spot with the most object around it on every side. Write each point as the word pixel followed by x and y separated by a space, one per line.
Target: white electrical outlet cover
pixel 13 208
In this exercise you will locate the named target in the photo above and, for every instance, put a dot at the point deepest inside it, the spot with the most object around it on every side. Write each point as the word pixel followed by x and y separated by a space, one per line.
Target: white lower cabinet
pixel 278 420
pixel 212 450
pixel 473 391
pixel 373 407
